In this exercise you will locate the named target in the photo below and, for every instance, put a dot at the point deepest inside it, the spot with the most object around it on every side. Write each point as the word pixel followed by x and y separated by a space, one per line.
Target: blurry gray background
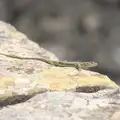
pixel 81 30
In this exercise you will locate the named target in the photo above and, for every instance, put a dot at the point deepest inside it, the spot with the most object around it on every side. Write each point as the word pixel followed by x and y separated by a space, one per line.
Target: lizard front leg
pixel 78 66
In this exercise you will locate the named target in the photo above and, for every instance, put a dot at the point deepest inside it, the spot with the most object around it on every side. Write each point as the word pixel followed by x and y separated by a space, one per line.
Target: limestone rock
pixel 22 80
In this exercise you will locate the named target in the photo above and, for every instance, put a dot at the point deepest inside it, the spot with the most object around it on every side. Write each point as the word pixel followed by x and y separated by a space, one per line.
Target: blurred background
pixel 74 30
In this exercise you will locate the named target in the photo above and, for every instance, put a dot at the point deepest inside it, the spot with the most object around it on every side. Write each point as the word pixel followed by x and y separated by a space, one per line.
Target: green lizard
pixel 77 65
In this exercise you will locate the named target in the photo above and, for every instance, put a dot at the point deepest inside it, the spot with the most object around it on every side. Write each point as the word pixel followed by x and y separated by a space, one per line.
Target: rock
pixel 66 106
pixel 49 92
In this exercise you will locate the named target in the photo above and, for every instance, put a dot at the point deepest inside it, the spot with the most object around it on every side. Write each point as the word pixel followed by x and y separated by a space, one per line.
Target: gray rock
pixel 66 106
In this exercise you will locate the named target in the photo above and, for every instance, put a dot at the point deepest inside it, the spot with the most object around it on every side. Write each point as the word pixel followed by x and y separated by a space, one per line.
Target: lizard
pixel 77 65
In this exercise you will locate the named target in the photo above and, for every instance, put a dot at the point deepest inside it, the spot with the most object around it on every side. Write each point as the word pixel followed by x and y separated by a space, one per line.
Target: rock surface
pixel 31 89
pixel 66 106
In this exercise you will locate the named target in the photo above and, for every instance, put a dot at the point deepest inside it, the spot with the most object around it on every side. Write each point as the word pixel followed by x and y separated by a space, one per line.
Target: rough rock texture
pixel 31 89
pixel 66 106
pixel 14 42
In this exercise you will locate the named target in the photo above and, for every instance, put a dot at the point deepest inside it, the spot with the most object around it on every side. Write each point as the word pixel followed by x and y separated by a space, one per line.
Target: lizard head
pixel 86 65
